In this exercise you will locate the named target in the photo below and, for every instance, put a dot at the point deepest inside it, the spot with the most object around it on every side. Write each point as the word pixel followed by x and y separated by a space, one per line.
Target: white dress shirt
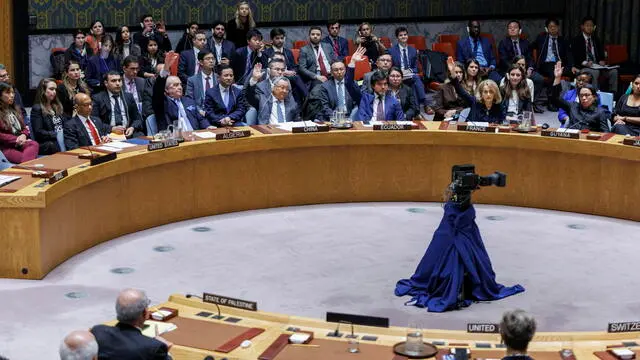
pixel 218 47
pixel 184 122
pixel 87 129
pixel 204 81
pixel 376 100
pixel 123 109
pixel 593 47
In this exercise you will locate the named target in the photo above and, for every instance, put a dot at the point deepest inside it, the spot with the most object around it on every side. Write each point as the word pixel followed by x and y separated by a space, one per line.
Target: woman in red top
pixel 14 135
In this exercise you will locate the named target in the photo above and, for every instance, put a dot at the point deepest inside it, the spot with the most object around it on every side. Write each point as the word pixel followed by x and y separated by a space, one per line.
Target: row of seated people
pixel 125 340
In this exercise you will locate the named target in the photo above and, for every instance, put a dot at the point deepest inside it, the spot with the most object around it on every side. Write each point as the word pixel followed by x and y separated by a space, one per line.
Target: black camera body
pixel 464 181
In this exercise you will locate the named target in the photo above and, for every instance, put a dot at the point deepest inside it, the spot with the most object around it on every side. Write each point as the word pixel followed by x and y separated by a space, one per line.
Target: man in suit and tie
pixel 552 47
pixel 205 79
pixel 384 64
pixel 276 107
pixel 225 104
pixel 587 51
pixel 82 129
pixel 133 84
pixel 475 46
pixel 338 93
pixel 379 105
pixel 315 59
pixel 189 65
pixel 248 56
pixel 278 37
pixel 339 44
pixel 222 48
pixel 405 58
pixel 513 46
pixel 117 108
pixel 125 340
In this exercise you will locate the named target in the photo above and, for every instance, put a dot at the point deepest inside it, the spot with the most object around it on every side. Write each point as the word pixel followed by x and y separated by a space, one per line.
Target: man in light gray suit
pixel 314 63
pixel 383 63
pixel 275 107
pixel 203 80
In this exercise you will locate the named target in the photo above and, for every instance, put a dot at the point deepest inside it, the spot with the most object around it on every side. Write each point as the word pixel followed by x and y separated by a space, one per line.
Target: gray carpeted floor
pixel 579 271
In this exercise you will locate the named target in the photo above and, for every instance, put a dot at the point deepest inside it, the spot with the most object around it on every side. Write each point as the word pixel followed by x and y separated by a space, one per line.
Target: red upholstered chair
pixel 300 44
pixel 446 48
pixel 616 55
pixel 362 67
pixel 419 41
pixel 449 38
pixel 385 41
pixel 352 46
pixel 296 54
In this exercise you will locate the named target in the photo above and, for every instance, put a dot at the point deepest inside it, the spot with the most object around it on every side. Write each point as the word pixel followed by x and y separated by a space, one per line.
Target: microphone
pixel 545 126
pixel 336 333
pixel 217 317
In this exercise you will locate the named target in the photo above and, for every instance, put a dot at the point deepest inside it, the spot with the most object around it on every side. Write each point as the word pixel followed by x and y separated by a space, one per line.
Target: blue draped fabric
pixel 456 249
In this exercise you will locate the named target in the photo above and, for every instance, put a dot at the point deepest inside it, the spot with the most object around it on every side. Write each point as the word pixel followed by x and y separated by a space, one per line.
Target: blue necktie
pixel 405 58
pixel 225 98
pixel 248 65
pixel 280 112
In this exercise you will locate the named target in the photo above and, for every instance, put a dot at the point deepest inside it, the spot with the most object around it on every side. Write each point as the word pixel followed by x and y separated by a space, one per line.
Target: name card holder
pixel 620 327
pixel 477 128
pixel 157 145
pixel 230 302
pixel 50 176
pixel 483 328
pixel 632 141
pixel 103 159
pixel 393 127
pixel 233 134
pixel 594 136
pixel 561 134
pixel 309 129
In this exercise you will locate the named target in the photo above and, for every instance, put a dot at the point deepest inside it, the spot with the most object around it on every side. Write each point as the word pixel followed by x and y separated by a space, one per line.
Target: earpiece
pixel 546 29
pixel 468 31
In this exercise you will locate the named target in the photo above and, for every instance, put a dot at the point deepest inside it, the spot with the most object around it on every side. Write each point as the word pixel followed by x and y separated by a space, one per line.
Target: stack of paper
pixel 115 146
pixel 6 179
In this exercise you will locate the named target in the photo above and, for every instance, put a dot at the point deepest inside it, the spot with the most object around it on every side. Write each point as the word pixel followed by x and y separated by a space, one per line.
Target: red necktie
pixel 336 49
pixel 323 69
pixel 94 132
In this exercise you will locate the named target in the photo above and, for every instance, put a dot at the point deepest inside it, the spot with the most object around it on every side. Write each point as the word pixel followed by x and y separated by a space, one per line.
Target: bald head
pixel 79 345
pixel 131 306
pixel 83 104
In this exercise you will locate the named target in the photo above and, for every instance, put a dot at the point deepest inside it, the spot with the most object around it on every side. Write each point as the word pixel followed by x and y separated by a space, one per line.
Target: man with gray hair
pixel 516 330
pixel 79 345
pixel 125 341
pixel 275 107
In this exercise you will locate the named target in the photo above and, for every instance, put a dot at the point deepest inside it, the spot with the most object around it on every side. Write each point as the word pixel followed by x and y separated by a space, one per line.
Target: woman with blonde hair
pixel 486 105
pixel 238 27
pixel 47 118
pixel 14 135
pixel 72 83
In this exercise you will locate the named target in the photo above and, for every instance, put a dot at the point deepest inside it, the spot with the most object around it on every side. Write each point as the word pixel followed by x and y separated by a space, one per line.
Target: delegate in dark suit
pixel 328 96
pixel 43 126
pixel 166 110
pixel 239 63
pixel 187 65
pixel 579 52
pixel 97 67
pixel 216 110
pixel 339 43
pixel 140 85
pixel 465 51
pixel 76 134
pixel 508 53
pixel 227 49
pixel 102 110
pixel 308 63
pixel 407 101
pixel 415 83
pixel 264 104
pixel 392 108
pixel 288 57
pixel 196 90
pixel 126 342
pixel 547 59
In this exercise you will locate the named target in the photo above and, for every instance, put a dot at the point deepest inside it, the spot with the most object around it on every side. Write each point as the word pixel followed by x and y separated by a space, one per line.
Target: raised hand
pixel 257 72
pixel 557 70
pixel 451 65
pixel 358 54
pixel 170 60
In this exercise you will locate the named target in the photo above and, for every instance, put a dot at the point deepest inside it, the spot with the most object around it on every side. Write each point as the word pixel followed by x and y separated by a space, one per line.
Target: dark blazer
pixel 542 44
pixel 228 49
pixel 392 108
pixel 185 43
pixel 166 111
pixel 134 50
pixel 239 63
pixel 147 98
pixel 43 130
pixel 73 54
pixel 479 112
pixel 412 54
pixel 265 104
pixel 328 95
pixel 95 70
pixel 343 46
pixel 186 65
pixel 102 110
pixel 507 53
pixel 126 342
pixel 307 64
pixel 140 85
pixel 146 64
pixel 579 49
pixel 447 99
pixel 196 91
pixel 595 118
pixel 164 43
pixel 408 102
pixel 464 51
pixel 215 109
pixel 67 102
pixel 76 135
pixel 288 56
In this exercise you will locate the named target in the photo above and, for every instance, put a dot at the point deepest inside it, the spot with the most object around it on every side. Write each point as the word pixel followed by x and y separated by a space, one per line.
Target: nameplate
pixel 231 302
pixel 162 144
pixel 619 327
pixel 392 127
pixel 103 159
pixel 58 176
pixel 477 128
pixel 563 134
pixel 363 320
pixel 631 142
pixel 483 328
pixel 309 129
pixel 233 134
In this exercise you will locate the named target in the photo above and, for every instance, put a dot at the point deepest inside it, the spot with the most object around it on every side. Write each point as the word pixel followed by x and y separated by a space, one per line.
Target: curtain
pixel 618 22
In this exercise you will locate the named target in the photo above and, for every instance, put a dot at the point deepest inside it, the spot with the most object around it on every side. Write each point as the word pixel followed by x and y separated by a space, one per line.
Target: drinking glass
pixel 414 344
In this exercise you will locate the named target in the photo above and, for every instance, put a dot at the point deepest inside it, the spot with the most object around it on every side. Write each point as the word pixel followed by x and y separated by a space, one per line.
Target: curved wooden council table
pixel 44 226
